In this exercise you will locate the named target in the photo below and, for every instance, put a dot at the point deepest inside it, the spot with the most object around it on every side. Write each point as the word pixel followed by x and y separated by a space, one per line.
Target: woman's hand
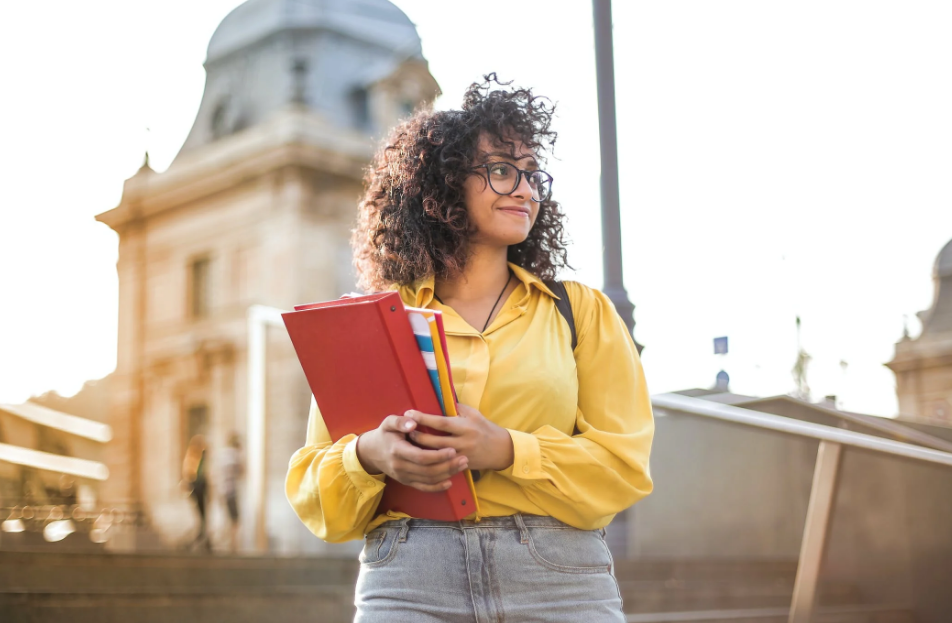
pixel 485 444
pixel 386 450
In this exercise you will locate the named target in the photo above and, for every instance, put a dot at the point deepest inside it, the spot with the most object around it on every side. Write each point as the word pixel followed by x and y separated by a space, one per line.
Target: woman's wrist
pixel 505 450
pixel 364 457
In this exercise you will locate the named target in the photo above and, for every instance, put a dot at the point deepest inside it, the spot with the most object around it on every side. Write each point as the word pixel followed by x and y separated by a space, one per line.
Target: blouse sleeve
pixel 328 488
pixel 586 478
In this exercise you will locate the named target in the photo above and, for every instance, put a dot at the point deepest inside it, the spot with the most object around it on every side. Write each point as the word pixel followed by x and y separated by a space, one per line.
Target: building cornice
pixel 293 137
pixel 924 352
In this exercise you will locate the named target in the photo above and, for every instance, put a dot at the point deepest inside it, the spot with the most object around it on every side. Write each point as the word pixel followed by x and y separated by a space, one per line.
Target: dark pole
pixel 611 215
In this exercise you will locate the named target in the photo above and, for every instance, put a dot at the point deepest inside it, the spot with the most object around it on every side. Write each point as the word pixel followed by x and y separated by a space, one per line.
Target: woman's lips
pixel 514 210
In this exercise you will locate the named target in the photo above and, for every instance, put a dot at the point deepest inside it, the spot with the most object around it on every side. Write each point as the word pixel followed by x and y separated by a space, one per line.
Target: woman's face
pixel 500 220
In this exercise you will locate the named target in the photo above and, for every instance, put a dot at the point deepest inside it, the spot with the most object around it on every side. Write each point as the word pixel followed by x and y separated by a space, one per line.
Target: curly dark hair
pixel 412 220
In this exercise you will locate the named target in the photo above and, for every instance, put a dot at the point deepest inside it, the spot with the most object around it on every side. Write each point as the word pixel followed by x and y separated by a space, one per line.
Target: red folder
pixel 362 363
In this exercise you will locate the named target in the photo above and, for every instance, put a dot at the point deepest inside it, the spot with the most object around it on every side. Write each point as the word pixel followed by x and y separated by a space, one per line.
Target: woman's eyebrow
pixel 509 156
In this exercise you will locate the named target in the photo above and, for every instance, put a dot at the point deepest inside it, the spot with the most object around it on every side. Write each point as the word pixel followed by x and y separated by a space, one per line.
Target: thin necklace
pixel 499 298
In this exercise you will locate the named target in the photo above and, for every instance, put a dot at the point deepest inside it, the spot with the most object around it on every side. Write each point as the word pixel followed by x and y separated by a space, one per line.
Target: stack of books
pixel 369 357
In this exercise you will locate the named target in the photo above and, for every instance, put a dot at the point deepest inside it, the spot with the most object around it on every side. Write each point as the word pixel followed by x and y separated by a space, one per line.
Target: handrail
pixel 892 428
pixel 73 466
pixel 832 440
pixel 66 422
pixel 791 426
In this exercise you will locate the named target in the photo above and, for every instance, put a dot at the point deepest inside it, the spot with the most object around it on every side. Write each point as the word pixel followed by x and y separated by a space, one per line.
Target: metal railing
pixel 825 477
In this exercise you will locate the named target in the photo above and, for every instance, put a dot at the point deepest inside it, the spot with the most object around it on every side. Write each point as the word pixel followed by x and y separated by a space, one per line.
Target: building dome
pixel 376 21
pixel 938 318
pixel 943 262
pixel 356 64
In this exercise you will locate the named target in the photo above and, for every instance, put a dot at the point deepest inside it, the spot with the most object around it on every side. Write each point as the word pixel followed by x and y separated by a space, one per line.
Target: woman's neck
pixel 487 270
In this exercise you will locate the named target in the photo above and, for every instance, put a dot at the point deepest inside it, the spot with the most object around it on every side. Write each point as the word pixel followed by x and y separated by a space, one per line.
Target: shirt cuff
pixel 367 484
pixel 526 457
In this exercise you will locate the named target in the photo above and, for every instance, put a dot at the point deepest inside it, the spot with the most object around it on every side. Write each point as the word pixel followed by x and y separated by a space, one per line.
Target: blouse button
pixel 525 469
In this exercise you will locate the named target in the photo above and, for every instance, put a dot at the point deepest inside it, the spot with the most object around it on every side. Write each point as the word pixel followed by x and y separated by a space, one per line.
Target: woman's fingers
pixel 397 424
pixel 409 473
pixel 435 442
pixel 421 456
pixel 443 486
pixel 451 425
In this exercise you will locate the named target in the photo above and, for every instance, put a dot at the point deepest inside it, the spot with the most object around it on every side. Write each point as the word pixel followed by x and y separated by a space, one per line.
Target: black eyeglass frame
pixel 519 174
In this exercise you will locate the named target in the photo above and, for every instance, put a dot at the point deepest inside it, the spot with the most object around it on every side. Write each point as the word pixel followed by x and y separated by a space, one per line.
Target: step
pixel 685 595
pixel 245 606
pixel 706 569
pixel 837 614
pixel 46 572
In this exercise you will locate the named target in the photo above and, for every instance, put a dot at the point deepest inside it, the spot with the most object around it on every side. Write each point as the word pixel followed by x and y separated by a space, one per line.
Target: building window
pixel 360 105
pixel 198 287
pixel 220 118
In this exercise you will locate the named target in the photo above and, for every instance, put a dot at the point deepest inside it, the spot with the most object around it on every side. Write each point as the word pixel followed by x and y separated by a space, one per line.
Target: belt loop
pixel 523 531
pixel 404 528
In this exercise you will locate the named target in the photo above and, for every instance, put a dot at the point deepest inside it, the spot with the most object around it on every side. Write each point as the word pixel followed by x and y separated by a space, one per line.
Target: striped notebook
pixel 420 321
pixel 427 327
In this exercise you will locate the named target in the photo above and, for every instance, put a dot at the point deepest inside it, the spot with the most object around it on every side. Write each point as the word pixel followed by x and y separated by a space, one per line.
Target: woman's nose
pixel 523 189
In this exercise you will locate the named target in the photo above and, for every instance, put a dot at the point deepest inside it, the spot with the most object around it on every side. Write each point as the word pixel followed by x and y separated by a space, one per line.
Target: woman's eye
pixel 500 170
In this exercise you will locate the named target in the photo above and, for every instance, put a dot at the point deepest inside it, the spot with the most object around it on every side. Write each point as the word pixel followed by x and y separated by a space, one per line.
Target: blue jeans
pixel 503 569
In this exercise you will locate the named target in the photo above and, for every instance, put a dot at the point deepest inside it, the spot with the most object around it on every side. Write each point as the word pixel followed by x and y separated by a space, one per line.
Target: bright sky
pixel 777 159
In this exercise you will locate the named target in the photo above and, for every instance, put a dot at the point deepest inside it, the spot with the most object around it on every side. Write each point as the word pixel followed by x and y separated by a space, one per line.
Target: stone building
pixel 256 209
pixel 923 366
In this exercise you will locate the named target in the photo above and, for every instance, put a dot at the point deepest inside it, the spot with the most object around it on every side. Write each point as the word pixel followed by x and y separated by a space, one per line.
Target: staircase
pixel 165 588
pixel 107 588
pixel 745 591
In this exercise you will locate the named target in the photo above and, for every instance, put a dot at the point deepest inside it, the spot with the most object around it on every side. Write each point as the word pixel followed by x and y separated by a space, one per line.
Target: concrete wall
pixel 723 491
pixel 728 491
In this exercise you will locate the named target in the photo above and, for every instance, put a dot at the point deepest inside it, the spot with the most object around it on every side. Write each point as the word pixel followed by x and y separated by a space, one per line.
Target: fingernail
pixel 409 413
pixel 408 425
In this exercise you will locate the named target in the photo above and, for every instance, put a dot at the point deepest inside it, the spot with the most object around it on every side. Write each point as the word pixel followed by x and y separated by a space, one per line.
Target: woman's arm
pixel 328 488
pixel 584 479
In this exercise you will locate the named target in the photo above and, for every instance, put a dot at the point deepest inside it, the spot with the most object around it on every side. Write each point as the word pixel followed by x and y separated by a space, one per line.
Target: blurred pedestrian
pixel 232 469
pixel 195 481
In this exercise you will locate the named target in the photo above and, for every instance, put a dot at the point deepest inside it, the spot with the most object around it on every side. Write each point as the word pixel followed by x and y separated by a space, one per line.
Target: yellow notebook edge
pixel 449 396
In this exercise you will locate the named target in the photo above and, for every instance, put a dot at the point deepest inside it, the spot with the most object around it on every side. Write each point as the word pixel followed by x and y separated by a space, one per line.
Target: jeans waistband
pixel 517 521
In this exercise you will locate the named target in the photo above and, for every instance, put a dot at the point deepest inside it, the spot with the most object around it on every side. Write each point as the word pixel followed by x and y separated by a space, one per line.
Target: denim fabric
pixel 521 568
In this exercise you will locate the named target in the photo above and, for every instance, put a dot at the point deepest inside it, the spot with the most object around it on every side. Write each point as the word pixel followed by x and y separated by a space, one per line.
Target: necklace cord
pixel 499 298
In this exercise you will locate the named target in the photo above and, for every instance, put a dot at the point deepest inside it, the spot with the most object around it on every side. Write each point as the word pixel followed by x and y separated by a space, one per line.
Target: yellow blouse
pixel 522 375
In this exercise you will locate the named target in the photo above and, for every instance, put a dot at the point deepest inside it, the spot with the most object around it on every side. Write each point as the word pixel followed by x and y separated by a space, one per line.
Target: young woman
pixel 458 216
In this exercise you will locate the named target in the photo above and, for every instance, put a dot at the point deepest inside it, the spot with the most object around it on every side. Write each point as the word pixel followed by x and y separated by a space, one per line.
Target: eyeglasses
pixel 504 179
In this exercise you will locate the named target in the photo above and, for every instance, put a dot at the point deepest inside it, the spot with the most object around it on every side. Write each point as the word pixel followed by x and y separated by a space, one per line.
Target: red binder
pixel 362 363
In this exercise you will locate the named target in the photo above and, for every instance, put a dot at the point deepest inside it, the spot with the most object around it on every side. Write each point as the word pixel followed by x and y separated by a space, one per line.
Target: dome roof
pixel 376 21
pixel 943 262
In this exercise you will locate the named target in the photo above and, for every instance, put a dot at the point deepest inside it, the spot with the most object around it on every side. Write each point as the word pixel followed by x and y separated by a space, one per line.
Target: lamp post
pixel 611 217
pixel 621 532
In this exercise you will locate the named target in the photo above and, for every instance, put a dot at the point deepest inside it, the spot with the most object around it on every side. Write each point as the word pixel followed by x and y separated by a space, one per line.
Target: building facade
pixel 923 366
pixel 256 209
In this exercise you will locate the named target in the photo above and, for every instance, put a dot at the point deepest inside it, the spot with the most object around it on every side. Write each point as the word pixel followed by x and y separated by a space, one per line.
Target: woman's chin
pixel 501 238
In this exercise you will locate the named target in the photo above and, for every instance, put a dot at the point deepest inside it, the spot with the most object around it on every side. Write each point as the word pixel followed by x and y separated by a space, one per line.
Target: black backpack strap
pixel 564 306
